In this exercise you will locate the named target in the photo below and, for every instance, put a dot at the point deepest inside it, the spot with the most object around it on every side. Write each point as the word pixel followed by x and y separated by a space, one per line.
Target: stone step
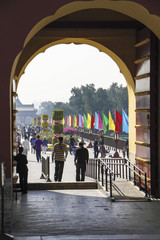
pixel 61 185
pixel 93 237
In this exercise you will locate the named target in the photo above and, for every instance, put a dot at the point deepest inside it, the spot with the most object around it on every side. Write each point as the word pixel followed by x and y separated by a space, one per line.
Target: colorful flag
pixel 125 125
pixel 92 121
pixel 77 120
pixel 105 122
pixel 111 122
pixel 85 121
pixel 82 121
pixel 118 121
pixel 96 121
pixel 88 121
pixel 80 124
pixel 63 121
pixel 74 121
pixel 100 124
pixel 71 121
pixel 66 121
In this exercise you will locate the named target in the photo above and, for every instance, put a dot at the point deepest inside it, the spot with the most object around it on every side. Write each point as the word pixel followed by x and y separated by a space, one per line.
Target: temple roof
pixel 24 107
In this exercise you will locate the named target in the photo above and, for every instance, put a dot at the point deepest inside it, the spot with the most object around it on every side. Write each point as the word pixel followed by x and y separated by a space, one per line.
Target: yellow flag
pixel 75 121
pixel 69 121
pixel 63 121
pixel 111 123
pixel 88 121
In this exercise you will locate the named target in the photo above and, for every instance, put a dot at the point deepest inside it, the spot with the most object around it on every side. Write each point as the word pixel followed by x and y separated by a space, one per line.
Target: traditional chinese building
pixel 25 112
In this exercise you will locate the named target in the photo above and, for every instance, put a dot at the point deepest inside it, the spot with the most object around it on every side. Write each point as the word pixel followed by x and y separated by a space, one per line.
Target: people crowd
pixel 28 139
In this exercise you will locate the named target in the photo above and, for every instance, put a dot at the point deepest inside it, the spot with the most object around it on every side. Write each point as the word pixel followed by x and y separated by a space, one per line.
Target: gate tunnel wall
pixel 22 20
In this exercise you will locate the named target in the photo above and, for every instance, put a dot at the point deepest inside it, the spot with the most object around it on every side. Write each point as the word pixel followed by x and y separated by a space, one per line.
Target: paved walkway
pixel 80 214
pixel 69 172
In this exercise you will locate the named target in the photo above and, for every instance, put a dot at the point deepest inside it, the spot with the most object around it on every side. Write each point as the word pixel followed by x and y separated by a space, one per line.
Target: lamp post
pixel 116 138
pixel 90 143
pixel 82 132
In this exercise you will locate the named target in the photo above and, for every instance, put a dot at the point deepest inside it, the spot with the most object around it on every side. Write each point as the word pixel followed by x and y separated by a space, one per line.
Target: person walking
pixel 101 144
pixel 96 151
pixel 45 143
pixel 22 170
pixel 38 147
pixel 71 143
pixel 81 159
pixel 25 145
pixel 32 141
pixel 59 154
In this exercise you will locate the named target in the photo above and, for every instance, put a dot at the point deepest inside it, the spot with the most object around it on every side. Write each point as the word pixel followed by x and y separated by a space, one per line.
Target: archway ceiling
pixel 99 25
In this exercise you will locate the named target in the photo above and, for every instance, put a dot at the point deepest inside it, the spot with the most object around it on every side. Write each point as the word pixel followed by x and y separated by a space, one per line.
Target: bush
pixel 57 128
pixel 57 115
pixel 45 117
pixel 44 124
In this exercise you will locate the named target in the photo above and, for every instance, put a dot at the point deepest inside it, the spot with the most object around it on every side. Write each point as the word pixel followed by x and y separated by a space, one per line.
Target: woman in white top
pixel 25 145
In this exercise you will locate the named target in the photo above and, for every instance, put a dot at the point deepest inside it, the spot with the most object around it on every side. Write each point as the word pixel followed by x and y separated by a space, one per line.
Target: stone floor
pixel 80 214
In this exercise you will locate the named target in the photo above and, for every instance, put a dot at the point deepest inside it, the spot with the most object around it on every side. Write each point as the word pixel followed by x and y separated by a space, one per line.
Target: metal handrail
pixel 121 167
pixel 102 169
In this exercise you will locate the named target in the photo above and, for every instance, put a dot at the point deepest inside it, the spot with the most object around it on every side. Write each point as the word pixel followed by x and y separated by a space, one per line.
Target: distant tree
pixel 87 99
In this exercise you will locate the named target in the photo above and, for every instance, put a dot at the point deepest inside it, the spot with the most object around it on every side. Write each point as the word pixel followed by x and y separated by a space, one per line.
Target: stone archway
pixel 139 13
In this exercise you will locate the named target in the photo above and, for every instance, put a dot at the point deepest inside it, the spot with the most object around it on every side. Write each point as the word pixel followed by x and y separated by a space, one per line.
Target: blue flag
pixel 96 121
pixel 125 125
pixel 80 124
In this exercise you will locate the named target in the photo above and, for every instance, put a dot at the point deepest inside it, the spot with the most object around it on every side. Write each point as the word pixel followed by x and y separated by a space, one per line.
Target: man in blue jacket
pixel 81 159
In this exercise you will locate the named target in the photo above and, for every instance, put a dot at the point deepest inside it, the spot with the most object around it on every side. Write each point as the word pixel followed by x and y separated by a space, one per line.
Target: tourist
pixel 45 143
pixel 81 159
pixel 96 151
pixel 22 170
pixel 101 145
pixel 71 143
pixel 38 147
pixel 59 154
pixel 32 141
pixel 25 145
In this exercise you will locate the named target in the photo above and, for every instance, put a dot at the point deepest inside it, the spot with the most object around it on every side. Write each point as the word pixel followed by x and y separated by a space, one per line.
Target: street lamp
pixel 116 138
pixel 82 132
pixel 90 144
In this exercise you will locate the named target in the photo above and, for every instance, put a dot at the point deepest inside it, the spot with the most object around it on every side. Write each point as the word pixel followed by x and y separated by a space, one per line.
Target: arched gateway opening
pixel 127 41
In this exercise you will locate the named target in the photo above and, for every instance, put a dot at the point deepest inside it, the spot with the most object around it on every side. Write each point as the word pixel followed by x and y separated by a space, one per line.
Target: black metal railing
pixel 103 174
pixel 110 168
pixel 46 169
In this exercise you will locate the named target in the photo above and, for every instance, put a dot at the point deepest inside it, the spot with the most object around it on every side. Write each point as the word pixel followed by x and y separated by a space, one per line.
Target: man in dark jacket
pixel 81 159
pixel 22 169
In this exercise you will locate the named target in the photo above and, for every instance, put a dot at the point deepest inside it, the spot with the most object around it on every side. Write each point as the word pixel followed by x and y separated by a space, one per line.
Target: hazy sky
pixel 51 75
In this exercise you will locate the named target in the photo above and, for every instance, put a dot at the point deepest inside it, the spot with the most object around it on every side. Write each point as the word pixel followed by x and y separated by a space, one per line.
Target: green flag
pixel 85 121
pixel 74 121
pixel 105 122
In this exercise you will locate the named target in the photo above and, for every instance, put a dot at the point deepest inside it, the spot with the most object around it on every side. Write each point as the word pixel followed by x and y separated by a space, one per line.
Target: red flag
pixel 71 121
pixel 92 121
pixel 66 121
pixel 118 121
pixel 78 120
